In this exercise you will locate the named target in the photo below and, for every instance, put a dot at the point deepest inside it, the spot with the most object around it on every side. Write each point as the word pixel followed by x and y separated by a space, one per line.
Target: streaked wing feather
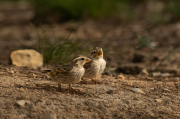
pixel 62 70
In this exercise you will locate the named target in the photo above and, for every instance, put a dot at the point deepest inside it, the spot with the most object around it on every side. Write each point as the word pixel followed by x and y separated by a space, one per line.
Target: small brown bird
pixel 69 73
pixel 95 68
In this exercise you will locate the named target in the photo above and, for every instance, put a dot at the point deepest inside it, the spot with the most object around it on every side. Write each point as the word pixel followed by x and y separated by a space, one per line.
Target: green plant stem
pixel 150 62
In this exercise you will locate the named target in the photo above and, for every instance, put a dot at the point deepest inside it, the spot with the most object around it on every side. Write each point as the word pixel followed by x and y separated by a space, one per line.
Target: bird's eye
pixel 82 58
pixel 94 52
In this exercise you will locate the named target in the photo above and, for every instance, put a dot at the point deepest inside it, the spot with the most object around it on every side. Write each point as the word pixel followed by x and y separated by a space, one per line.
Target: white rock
pixel 166 90
pixel 154 44
pixel 165 74
pixel 156 74
pixel 27 58
pixel 158 100
pixel 50 116
pixel 144 72
pixel 20 103
pixel 137 90
pixel 11 71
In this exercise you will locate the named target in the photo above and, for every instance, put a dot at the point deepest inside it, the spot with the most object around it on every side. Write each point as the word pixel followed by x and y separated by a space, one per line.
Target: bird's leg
pixel 59 87
pixel 96 82
pixel 73 89
pixel 85 82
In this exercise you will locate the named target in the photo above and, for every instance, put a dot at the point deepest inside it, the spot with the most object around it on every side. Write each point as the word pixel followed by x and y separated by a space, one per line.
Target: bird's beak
pixel 87 60
pixel 100 53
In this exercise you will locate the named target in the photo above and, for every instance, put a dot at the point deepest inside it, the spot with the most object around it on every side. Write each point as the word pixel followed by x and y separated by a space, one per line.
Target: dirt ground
pixel 126 91
pixel 115 98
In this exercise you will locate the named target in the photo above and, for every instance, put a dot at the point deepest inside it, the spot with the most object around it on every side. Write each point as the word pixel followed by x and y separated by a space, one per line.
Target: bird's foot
pixel 96 82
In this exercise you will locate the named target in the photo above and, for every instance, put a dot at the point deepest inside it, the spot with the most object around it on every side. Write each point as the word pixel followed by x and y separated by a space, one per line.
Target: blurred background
pixel 62 29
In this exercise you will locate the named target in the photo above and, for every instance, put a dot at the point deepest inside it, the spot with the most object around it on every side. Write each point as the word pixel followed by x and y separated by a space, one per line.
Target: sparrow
pixel 69 73
pixel 95 68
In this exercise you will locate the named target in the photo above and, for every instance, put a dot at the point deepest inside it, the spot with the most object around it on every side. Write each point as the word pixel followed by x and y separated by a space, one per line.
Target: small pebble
pixel 156 74
pixel 165 75
pixel 22 90
pixel 137 90
pixel 20 103
pixel 34 75
pixel 121 77
pixel 144 72
pixel 41 100
pixel 166 90
pixel 158 100
pixel 11 71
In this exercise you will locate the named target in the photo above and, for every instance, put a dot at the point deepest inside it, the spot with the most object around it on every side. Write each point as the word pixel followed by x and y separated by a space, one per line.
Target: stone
pixel 22 90
pixel 20 103
pixel 158 100
pixel 27 58
pixel 137 90
pixel 165 74
pixel 11 71
pixel 40 99
pixel 156 74
pixel 165 90
pixel 34 75
pixel 144 72
pixel 50 116
pixel 154 44
pixel 121 77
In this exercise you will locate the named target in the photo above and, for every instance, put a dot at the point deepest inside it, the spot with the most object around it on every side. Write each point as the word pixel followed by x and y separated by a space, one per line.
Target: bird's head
pixel 80 60
pixel 97 53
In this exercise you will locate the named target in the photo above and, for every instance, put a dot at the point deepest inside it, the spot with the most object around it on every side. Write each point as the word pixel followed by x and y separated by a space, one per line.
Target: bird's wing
pixel 65 68
pixel 62 70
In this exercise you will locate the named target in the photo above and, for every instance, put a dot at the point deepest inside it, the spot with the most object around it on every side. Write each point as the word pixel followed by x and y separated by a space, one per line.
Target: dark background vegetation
pixel 162 11
pixel 117 21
